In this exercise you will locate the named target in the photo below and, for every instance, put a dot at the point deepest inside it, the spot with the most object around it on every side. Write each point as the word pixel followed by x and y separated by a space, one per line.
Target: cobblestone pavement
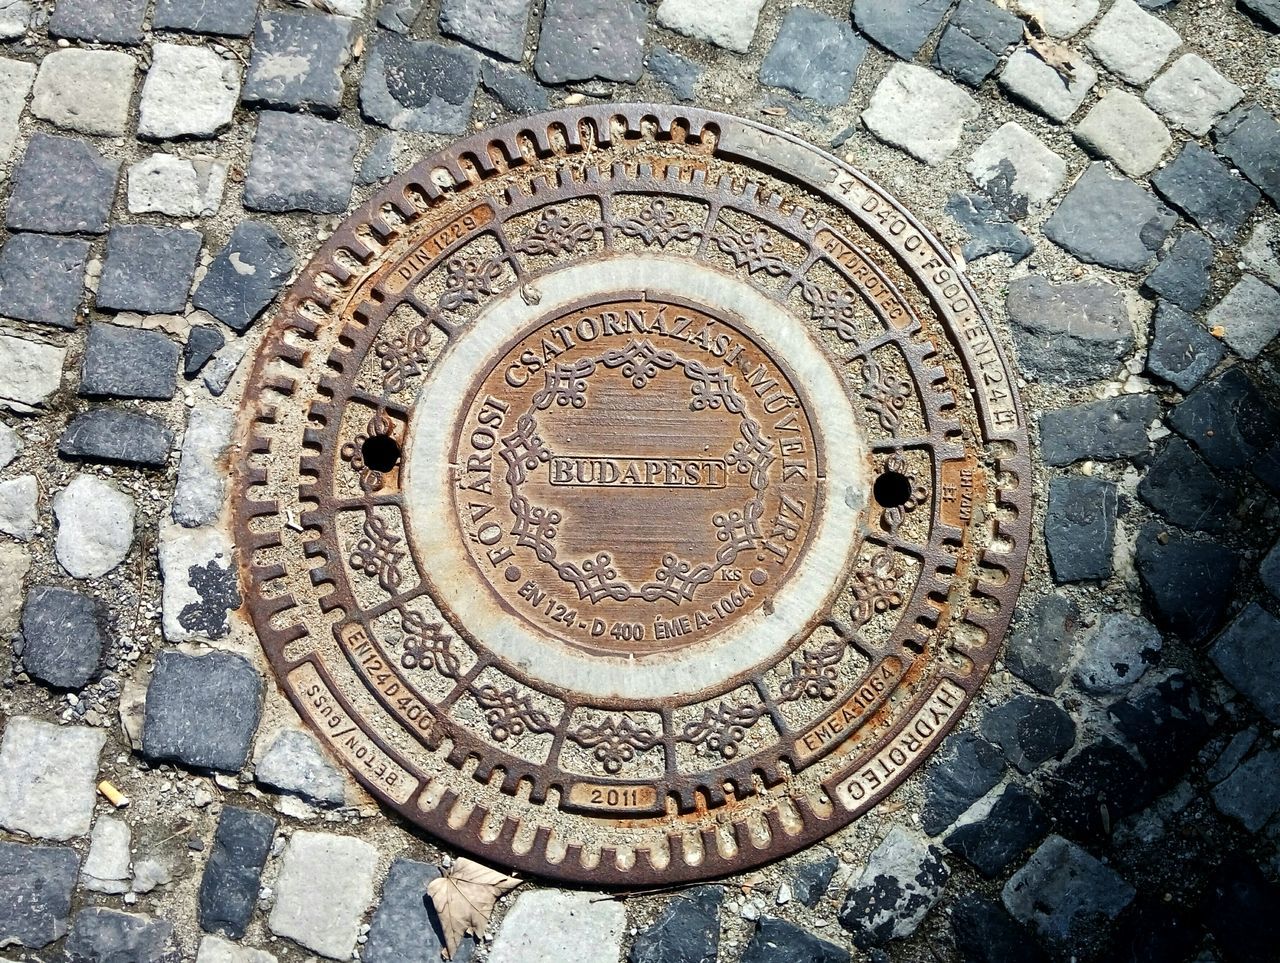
pixel 1109 170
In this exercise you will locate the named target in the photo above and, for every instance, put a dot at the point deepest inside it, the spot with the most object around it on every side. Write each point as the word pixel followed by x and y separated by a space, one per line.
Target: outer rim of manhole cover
pixel 824 631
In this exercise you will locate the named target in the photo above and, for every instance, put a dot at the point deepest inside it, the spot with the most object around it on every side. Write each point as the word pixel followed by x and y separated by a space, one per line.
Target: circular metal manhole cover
pixel 632 493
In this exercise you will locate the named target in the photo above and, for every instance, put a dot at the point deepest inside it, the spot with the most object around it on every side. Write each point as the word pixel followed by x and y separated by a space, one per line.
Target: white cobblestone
pixel 918 111
pixel 1192 95
pixel 85 90
pixel 726 23
pixel 47 775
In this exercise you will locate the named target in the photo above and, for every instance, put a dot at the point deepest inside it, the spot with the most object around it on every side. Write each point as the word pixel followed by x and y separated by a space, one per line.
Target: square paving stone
pixel 592 39
pixel 323 890
pixel 1030 731
pixel 124 362
pixel 101 21
pixel 189 92
pixel 1016 169
pixel 815 56
pixel 42 278
pixel 688 928
pixel 1039 650
pixel 62 186
pixel 148 269
pixel 1080 528
pixel 999 829
pixel 1182 276
pixel 121 437
pixel 63 638
pixel 1060 18
pixel 1071 333
pixel 15 17
pixel 978 34
pixel 1265 11
pixel 985 933
pixel 964 769
pixel 1181 352
pixel 419 86
pixel 228 18
pixel 1101 430
pixel 919 112
pixel 1228 419
pixel 497 26
pixel 300 163
pixel 229 886
pixel 35 893
pixel 1110 221
pixel 901 28
pixel 1203 188
pixel 399 15
pixel 1250 139
pixel 85 90
pixel 100 935
pixel 1249 316
pixel 298 59
pixel 403 929
pixel 1192 95
pixel 1246 655
pixel 245 275
pixel 1031 81
pixel 47 778
pixel 1189 582
pixel 902 880
pixel 1180 487
pixel 730 24
pixel 1122 128
pixel 177 186
pixel 1132 43
pixel 185 692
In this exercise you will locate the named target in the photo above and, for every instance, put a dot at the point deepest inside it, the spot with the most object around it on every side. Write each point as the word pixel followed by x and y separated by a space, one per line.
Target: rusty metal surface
pixel 631 493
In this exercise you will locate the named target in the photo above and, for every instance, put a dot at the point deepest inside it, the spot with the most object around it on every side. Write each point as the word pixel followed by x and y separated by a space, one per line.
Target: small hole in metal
pixel 381 453
pixel 892 489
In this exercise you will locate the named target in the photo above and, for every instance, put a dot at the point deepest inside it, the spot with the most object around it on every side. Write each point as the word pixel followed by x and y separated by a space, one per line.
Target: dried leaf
pixel 1056 55
pixel 464 898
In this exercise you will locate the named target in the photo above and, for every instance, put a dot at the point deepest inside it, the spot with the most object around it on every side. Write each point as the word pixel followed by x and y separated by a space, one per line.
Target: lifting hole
pixel 892 489
pixel 381 453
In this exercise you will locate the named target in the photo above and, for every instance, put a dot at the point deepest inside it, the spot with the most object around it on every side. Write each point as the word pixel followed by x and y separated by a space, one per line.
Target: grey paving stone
pixel 403 929
pixel 686 931
pixel 10 445
pixel 1249 316
pixel 902 880
pixel 62 636
pixel 1182 276
pixel 1202 187
pixel 229 886
pixel 298 59
pixel 1261 253
pixel 323 890
pixel 1250 139
pixel 985 933
pixel 85 90
pixel 1245 655
pixel 200 494
pixel 998 829
pixel 811 879
pixel 1184 490
pixel 497 26
pixel 294 763
pixel 18 507
pixel 678 74
pixel 16 78
pixel 989 228
pixel 47 777
pixel 42 278
pixel 1102 430
pixel 379 163
pixel 963 770
pixel 95 526
pixel 1072 333
pixel 419 85
pixel 228 18
pixel 122 437
pixel 592 39
pixel 559 924
pixel 219 372
pixel 1063 893
pixel 100 21
pixel 1182 352
pixel 214 949
pixel 185 692
pixel 1251 794
pixel 1016 169
pixel 1189 582
pixel 148 269
pixel 30 371
pixel 1228 420
pixel 777 941
pixel 399 15
pixel 233 293
pixel 122 362
pixel 1270 571
pixel 900 28
pixel 1192 95
pixel 1117 653
pixel 1132 43
pixel 814 56
pixel 1121 128
pixel 101 935
pixel 62 186
pixel 1060 18
pixel 189 92
pixel 35 893
pixel 200 584
pixel 15 17
pixel 726 23
pixel 1029 731
pixel 1110 221
pixel 106 868
pixel 1164 719
pixel 1080 528
pixel 178 186
pixel 514 89
pixel 1232 755
pixel 919 112
pixel 1039 651
pixel 1031 81
pixel 300 163
pixel 978 34
pixel 1265 11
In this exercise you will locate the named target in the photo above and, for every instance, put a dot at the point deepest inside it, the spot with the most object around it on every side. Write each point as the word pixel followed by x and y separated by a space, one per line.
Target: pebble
pixel 149 873
pixel 300 163
pixel 1098 430
pixel 900 29
pixel 1080 528
pixel 200 583
pixel 298 59
pixel 177 186
pixel 902 880
pixel 62 186
pixel 1201 186
pixel 552 924
pixel 961 772
pixel 1189 582
pixel 1181 488
pixel 419 86
pixel 85 90
pixel 229 886
pixel 1182 276
pixel 1040 650
pixel 497 26
pixel 1250 139
pixel 1031 81
pixel 203 342
pixel 30 371
pixel 42 278
pixel 777 941
pixel 63 636
pixel 35 893
pixel 228 18
pixel 594 39
pixel 1192 95
pixel 326 885
pixel 1244 655
pixel 245 275
pixel 47 777
pixel 188 690
pixel 1110 221
pixel 123 437
pixel 1122 129
pixel 99 21
pixel 978 34
pixel 148 269
pixel 202 481
pixel 189 92
pixel 814 56
pixel 127 362
pixel 1249 316
pixel 95 526
pixel 1071 334
pixel 730 24
pixel 1030 731
pixel 998 829
pixel 919 112
pixel 1251 794
pixel 1132 43
pixel 106 868
pixel 1016 169
pixel 18 509
pixel 294 763
pixel 403 928
pixel 100 935
pixel 1182 352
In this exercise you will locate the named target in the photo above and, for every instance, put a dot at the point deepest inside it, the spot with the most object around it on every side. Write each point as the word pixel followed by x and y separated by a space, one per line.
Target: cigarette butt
pixel 112 794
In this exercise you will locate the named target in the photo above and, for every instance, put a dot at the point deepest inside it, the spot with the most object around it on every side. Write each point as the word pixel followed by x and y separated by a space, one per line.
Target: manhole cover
pixel 632 493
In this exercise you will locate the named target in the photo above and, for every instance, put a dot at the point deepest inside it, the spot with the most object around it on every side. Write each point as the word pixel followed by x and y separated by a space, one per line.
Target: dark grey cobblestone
pixel 516 91
pixel 985 933
pixel 1203 188
pixel 591 39
pixel 496 26
pixel 62 636
pixel 1182 276
pixel 300 163
pixel 962 772
pixel 1188 580
pixel 234 295
pixel 1250 139
pixel 419 85
pixel 62 186
pixel 184 693
pixel 203 342
pixel 1248 316
pixel 1182 352
pixel 1110 221
pixel 978 34
pixel 148 269
pixel 815 56
pixel 1040 650
pixel 403 930
pixel 123 437
pixel 298 59
pixel 229 885
pixel 998 830
pixel 229 18
pixel 100 935
pixel 679 74
pixel 100 21
pixel 1030 731
pixel 1107 429
pixel 902 30
pixel 42 278
pixel 1244 654
pixel 128 363
pixel 687 931
pixel 1181 488
pixel 990 230
pixel 1227 419
pixel 1080 528
pixel 1069 333
pixel 35 893
pixel 777 941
